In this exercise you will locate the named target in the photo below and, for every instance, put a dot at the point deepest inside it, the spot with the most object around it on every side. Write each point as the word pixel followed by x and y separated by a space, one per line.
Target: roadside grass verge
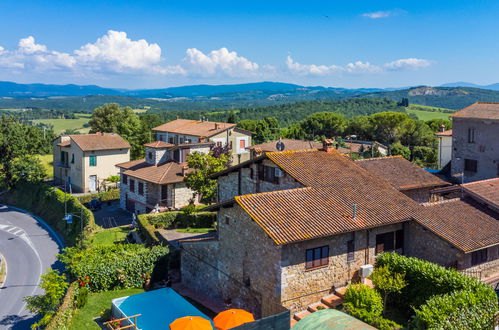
pixel 97 303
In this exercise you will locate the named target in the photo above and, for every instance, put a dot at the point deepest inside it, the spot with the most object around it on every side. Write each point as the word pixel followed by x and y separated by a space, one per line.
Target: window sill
pixel 315 268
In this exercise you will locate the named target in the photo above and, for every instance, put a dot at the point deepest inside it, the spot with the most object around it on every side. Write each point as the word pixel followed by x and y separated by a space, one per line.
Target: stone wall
pixel 485 149
pixel 302 287
pixel 248 274
pixel 182 195
pixel 228 185
pixel 421 195
pixel 422 243
pixel 491 266
pixel 140 200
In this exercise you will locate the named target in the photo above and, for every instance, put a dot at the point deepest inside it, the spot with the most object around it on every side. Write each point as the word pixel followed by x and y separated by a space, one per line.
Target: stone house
pixel 85 161
pixel 475 142
pixel 294 225
pixel 406 177
pixel 186 131
pixel 157 181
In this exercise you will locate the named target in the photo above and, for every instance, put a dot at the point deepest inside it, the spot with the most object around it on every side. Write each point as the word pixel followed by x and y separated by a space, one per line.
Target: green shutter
pixel 93 160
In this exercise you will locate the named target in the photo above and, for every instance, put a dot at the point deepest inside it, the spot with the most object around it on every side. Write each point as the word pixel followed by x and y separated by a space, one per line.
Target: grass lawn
pixel 61 125
pixel 97 302
pixel 110 236
pixel 195 230
pixel 428 115
pixel 47 164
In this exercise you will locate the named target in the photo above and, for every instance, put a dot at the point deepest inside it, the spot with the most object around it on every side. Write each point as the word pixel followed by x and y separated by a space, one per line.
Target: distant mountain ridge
pixel 494 87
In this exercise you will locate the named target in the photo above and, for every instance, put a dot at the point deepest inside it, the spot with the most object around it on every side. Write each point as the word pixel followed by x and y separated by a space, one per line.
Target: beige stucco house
pixel 186 131
pixel 444 147
pixel 85 161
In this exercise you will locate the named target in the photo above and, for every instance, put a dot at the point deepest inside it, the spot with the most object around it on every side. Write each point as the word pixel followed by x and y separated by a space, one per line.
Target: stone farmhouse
pixel 186 131
pixel 85 161
pixel 294 226
pixel 475 142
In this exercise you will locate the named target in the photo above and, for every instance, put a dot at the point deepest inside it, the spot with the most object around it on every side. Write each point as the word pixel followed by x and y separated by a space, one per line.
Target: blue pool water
pixel 159 308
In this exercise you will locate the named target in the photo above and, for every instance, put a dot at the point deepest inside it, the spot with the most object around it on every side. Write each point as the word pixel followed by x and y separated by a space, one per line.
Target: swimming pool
pixel 159 308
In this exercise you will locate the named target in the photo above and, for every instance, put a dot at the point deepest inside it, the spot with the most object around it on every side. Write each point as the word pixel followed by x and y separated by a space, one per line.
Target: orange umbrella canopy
pixel 191 323
pixel 232 318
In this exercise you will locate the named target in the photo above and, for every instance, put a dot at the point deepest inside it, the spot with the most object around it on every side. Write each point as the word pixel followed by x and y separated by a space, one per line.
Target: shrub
pixel 147 230
pixel 111 194
pixel 182 220
pixel 361 296
pixel 387 281
pixel 112 267
pixel 81 297
pixel 370 318
pixel 65 312
pixel 48 203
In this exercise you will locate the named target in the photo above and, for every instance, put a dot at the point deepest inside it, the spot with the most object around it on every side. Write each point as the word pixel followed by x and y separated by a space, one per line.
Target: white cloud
pixel 383 13
pixel 408 63
pixel 29 46
pixel 221 61
pixel 357 67
pixel 119 52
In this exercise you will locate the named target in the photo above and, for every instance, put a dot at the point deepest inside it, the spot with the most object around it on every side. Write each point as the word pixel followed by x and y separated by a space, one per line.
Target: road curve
pixel 30 248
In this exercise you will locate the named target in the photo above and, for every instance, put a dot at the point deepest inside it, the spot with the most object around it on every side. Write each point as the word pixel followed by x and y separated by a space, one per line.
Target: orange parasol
pixel 232 318
pixel 191 323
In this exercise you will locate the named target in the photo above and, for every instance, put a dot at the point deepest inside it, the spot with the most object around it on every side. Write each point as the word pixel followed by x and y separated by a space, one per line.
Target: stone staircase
pixel 330 301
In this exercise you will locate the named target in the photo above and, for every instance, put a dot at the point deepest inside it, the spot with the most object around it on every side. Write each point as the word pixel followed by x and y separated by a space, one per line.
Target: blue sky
pixel 152 44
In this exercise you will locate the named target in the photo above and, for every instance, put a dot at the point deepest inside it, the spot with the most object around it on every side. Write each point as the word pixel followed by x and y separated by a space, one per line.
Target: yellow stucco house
pixel 85 161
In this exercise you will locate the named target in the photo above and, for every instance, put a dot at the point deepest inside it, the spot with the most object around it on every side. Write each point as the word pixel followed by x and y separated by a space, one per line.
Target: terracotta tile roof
pixel 400 172
pixel 325 207
pixel 159 144
pixel 486 191
pixel 289 144
pixel 170 172
pixel 479 110
pixel 463 223
pixel 99 141
pixel 194 127
pixel 64 144
pixel 444 133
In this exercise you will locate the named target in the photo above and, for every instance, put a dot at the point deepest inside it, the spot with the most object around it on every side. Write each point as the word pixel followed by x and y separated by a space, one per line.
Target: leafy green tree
pixel 326 124
pixel 398 149
pixel 387 282
pixel 388 127
pixel 232 119
pixel 111 118
pixel 205 165
pixel 360 126
pixel 54 285
pixel 27 168
pixel 435 124
pixel 417 133
pixel 425 156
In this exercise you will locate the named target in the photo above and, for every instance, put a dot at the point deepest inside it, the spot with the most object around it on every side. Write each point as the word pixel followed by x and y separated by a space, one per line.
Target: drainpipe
pixel 366 252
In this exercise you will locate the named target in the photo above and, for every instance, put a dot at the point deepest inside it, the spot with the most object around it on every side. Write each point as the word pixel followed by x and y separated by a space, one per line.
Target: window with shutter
pixel 316 257
pixel 93 160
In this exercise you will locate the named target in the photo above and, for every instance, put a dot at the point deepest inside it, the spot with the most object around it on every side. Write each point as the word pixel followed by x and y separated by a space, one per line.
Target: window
pixel 227 220
pixel 317 257
pixel 268 173
pixel 350 250
pixel 478 257
pixel 92 160
pixel 141 188
pixel 132 185
pixel 72 158
pixel 470 165
pixel 124 179
pixel 242 144
pixel 160 137
pixel 149 154
pixel 170 140
pixel 471 135
pixel 399 239
pixel 384 242
pixel 230 145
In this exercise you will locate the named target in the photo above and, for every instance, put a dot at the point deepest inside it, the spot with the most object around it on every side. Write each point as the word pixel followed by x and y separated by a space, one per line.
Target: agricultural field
pixel 424 112
pixel 60 125
pixel 47 164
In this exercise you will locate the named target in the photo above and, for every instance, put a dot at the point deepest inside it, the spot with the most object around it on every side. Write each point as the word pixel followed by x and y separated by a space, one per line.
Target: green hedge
pixel 113 267
pixel 148 232
pixel 109 195
pixel 177 219
pixel 62 318
pixel 441 296
pixel 48 203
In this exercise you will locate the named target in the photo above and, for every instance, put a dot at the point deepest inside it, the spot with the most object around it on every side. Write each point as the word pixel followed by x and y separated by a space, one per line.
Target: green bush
pixel 182 220
pixel 81 297
pixel 112 267
pixel 147 230
pixel 48 203
pixel 441 298
pixel 111 194
pixel 376 321
pixel 361 296
pixel 64 314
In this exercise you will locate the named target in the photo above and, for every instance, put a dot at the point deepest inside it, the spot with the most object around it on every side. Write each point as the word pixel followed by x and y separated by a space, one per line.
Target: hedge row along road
pixel 30 248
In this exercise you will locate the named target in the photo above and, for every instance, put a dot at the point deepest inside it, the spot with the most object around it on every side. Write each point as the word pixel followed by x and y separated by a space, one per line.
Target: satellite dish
pixel 280 145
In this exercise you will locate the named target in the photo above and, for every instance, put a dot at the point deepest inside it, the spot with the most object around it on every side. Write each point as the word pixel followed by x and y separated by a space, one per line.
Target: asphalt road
pixel 30 250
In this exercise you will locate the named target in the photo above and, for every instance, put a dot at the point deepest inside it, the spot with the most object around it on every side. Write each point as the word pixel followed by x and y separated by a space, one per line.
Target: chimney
pixel 184 170
pixel 442 128
pixel 328 145
pixel 354 212
pixel 216 125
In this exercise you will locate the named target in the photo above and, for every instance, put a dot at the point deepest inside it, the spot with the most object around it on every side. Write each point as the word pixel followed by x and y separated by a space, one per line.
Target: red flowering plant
pixel 83 281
